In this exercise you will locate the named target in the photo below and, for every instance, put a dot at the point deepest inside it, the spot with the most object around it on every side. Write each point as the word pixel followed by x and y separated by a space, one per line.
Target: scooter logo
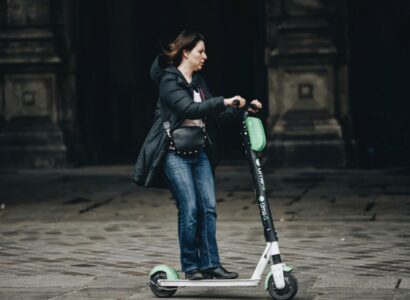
pixel 263 208
pixel 262 182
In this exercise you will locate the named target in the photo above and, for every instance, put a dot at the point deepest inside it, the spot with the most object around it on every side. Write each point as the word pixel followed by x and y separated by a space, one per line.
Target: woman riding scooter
pixel 185 105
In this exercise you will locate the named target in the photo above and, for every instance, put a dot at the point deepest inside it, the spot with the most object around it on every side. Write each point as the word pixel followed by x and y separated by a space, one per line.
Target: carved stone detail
pixel 30 95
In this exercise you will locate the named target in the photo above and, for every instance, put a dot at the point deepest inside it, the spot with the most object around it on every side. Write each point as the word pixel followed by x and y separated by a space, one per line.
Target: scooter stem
pixel 259 184
pixel 263 204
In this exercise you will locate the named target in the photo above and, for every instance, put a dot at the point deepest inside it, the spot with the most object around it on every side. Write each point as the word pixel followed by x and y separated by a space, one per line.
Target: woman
pixel 185 100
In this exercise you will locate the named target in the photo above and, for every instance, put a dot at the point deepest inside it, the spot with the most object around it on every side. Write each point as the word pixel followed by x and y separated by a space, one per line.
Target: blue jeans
pixel 192 185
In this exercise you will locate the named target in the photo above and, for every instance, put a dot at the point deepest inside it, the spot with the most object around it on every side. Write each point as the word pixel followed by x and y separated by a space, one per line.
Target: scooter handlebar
pixel 236 103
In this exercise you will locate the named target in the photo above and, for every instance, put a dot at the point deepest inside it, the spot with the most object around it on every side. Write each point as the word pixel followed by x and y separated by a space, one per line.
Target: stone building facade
pixel 74 86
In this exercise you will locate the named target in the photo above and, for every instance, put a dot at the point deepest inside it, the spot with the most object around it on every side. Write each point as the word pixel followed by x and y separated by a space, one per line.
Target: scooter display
pixel 280 282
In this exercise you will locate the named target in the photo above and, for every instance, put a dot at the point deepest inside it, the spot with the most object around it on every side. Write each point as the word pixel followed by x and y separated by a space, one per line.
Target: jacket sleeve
pixel 229 116
pixel 179 99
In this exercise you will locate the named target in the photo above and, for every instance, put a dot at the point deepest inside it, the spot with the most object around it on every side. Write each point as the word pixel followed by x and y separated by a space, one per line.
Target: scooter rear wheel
pixel 160 292
pixel 288 292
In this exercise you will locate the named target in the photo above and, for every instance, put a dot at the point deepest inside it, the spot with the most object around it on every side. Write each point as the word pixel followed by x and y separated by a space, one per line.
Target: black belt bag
pixel 189 139
pixel 186 140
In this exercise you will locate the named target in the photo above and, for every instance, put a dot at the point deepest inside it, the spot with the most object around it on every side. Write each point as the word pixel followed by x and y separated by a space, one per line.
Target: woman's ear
pixel 185 53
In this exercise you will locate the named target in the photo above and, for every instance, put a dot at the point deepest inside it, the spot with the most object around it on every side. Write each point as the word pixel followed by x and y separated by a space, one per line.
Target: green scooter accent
pixel 285 269
pixel 256 133
pixel 171 273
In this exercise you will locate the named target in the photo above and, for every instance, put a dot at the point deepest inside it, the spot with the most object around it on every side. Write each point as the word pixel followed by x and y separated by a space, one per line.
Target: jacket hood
pixel 160 67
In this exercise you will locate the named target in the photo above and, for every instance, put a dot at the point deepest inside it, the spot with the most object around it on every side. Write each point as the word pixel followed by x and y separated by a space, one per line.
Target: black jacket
pixel 176 99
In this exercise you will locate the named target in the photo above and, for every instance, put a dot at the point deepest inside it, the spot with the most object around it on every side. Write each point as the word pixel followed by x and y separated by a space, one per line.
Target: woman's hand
pixel 230 101
pixel 256 103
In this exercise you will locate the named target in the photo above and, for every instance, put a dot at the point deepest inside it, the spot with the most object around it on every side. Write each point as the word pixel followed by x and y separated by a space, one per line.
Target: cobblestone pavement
pixel 89 233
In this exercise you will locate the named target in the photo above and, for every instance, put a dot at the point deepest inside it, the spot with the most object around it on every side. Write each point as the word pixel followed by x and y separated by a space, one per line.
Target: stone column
pixel 307 82
pixel 30 135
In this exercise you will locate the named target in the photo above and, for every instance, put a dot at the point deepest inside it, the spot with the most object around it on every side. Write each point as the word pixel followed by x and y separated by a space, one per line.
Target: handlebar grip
pixel 253 106
pixel 236 102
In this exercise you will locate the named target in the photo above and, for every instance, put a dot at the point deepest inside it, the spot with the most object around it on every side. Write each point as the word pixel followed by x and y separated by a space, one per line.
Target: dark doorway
pixel 117 42
pixel 380 61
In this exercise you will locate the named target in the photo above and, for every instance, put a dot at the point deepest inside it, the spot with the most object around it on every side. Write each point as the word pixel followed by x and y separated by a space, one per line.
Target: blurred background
pixel 333 76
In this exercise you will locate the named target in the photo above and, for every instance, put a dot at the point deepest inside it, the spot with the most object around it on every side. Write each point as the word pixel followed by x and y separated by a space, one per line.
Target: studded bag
pixel 186 140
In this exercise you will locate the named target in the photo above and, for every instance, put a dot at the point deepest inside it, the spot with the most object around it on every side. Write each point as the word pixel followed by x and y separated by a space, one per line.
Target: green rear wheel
pixel 160 292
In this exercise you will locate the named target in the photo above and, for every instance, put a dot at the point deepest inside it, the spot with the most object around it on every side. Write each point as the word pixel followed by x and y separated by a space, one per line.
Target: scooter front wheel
pixel 288 292
pixel 160 292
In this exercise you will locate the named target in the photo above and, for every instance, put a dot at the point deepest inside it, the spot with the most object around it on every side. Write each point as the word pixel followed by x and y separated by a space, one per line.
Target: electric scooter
pixel 280 282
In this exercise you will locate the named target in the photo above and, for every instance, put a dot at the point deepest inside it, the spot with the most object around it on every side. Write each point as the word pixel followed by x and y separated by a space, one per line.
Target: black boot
pixel 194 275
pixel 218 273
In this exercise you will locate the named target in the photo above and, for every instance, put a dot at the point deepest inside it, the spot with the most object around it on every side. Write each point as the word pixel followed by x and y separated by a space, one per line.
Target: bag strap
pixel 165 122
pixel 202 94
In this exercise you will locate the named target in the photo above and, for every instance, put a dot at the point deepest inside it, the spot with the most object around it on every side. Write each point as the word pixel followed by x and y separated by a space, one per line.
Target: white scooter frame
pixel 277 271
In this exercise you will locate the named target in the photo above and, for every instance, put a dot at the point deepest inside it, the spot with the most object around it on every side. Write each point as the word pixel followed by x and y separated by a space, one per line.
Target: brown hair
pixel 184 41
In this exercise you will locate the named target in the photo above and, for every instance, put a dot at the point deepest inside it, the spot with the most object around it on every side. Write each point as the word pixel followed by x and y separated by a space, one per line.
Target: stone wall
pixel 306 79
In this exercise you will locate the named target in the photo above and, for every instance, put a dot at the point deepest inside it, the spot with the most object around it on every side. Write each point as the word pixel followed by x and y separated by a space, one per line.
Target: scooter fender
pixel 172 274
pixel 285 269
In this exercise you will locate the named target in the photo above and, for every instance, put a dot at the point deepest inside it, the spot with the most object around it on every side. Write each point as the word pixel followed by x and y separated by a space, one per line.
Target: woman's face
pixel 196 57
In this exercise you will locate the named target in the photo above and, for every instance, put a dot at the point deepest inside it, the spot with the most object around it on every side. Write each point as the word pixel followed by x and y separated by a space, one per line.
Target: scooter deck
pixel 209 282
